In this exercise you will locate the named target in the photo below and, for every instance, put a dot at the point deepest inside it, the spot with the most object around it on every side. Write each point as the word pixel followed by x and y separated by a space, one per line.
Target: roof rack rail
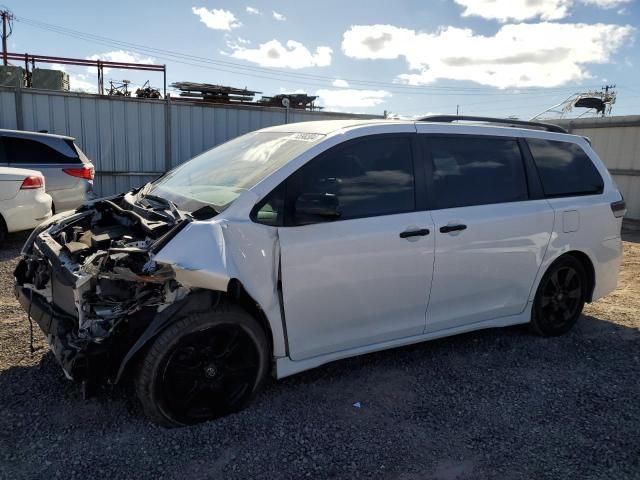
pixel 549 127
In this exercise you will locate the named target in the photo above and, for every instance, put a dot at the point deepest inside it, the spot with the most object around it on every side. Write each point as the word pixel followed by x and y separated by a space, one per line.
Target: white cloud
pixel 217 19
pixel 235 44
pixel 519 55
pixel 352 98
pixel 81 83
pixel 606 3
pixel 273 54
pixel 519 10
pixel 289 90
pixel 504 10
pixel 340 83
pixel 253 11
pixel 278 16
pixel 123 56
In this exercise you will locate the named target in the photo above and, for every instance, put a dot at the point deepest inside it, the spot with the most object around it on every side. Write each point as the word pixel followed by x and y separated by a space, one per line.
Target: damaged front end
pixel 91 283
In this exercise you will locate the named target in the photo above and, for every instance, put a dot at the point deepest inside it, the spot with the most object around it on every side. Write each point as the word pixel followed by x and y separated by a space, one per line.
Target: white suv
pixel 301 244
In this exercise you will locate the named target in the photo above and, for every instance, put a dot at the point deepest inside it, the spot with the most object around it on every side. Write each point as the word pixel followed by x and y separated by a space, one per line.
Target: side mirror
pixel 316 207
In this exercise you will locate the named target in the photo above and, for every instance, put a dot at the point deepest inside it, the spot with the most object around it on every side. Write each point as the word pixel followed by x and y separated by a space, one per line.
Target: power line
pixel 265 72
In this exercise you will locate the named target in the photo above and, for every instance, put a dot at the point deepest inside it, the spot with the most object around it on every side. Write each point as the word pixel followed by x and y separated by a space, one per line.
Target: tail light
pixel 32 182
pixel 619 208
pixel 84 172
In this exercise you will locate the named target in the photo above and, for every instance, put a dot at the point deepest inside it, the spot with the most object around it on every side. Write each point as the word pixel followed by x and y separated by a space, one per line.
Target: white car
pixel 301 244
pixel 23 201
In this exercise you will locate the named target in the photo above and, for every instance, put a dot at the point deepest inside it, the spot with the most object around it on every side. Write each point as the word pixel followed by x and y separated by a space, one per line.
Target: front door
pixel 357 251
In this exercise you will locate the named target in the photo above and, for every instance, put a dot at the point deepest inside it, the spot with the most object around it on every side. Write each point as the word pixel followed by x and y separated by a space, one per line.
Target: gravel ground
pixel 494 404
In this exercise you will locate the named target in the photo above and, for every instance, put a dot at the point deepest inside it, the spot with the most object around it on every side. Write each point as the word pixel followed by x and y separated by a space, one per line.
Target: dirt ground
pixel 500 403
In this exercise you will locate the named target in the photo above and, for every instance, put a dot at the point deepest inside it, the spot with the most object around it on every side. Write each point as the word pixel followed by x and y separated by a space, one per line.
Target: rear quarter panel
pixel 9 188
pixel 587 224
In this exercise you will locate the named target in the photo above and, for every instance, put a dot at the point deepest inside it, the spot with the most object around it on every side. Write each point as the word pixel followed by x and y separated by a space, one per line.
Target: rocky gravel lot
pixel 500 404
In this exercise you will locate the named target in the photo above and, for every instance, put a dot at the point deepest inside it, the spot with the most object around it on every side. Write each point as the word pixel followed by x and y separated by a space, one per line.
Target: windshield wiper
pixel 143 190
pixel 167 207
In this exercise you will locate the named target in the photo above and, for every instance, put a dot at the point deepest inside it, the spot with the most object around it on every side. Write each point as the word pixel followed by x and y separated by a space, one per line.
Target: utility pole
pixel 7 21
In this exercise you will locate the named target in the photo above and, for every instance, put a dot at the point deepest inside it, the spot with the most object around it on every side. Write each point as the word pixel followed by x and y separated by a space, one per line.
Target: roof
pixel 325 127
pixel 29 133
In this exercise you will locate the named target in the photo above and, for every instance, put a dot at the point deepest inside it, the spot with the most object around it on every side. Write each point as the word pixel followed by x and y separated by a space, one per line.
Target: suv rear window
pixel 565 169
pixel 19 150
pixel 477 171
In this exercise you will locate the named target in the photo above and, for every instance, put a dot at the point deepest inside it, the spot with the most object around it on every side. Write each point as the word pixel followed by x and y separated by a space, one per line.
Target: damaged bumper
pixel 91 283
pixel 58 328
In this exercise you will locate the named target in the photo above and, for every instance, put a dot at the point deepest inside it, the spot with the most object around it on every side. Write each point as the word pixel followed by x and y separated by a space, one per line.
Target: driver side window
pixel 365 178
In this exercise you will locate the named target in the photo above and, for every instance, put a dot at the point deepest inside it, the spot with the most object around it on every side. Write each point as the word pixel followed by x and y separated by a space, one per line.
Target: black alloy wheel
pixel 203 367
pixel 208 372
pixel 560 297
pixel 3 230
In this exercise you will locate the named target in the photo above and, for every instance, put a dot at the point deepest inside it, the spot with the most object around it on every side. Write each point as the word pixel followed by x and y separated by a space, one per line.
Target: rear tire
pixel 202 367
pixel 3 230
pixel 560 297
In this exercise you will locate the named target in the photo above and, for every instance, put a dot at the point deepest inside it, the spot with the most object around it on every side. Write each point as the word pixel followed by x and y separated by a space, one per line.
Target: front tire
pixel 560 297
pixel 202 367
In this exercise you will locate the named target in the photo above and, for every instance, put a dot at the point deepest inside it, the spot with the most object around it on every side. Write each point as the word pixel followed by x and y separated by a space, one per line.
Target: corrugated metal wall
pixel 131 141
pixel 617 142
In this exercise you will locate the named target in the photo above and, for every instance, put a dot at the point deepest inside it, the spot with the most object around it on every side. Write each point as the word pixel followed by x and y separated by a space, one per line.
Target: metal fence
pixel 617 141
pixel 131 141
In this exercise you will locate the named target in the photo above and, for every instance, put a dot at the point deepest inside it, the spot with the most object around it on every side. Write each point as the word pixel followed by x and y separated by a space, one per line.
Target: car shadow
pixel 461 390
pixel 12 244
pixel 631 231
pixel 43 384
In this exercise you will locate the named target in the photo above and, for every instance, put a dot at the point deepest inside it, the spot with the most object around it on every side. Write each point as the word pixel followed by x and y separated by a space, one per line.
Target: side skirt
pixel 285 367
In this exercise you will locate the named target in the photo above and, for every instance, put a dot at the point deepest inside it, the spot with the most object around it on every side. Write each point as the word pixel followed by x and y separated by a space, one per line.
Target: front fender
pixel 198 256
pixel 208 254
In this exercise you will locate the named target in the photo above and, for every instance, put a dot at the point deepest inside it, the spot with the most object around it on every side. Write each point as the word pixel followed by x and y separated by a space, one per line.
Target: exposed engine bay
pixel 91 283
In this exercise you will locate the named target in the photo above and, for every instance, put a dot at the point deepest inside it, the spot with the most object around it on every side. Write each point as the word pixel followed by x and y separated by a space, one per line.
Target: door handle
pixel 415 233
pixel 452 228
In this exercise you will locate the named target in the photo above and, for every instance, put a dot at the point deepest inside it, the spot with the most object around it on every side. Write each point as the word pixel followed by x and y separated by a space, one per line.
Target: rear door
pixel 492 228
pixel 364 277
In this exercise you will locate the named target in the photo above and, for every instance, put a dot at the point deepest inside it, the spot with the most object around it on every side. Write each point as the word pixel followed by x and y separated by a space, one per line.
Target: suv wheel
pixel 3 230
pixel 202 367
pixel 560 297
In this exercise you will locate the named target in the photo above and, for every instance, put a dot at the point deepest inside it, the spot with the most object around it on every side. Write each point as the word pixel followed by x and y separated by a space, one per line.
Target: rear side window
pixel 565 169
pixel 471 171
pixel 27 151
pixel 370 177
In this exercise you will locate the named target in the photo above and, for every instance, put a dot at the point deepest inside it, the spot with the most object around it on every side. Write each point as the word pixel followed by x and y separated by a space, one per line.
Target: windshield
pixel 218 176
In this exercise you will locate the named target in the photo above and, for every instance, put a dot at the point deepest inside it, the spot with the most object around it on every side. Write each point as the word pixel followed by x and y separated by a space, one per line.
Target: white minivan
pixel 301 244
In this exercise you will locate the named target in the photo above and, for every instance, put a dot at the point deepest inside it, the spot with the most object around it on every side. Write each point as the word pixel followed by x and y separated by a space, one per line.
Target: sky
pixel 407 57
